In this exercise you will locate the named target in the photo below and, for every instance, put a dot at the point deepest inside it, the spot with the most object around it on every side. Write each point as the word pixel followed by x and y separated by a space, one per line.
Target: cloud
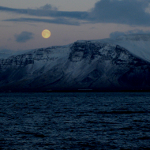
pixel 54 21
pixel 129 12
pixel 23 36
pixel 48 7
pixel 117 33
pixel 47 12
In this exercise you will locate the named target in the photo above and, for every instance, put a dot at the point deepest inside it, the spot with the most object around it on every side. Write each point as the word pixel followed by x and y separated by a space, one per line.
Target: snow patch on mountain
pixel 139 44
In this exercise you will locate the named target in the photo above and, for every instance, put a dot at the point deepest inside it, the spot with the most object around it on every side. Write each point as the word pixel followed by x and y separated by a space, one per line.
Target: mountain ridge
pixel 84 65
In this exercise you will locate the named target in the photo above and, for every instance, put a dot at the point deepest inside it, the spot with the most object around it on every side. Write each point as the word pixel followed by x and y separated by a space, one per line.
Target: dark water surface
pixel 76 121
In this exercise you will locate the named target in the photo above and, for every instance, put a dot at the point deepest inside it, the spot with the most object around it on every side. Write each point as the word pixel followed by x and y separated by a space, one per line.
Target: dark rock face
pixel 82 65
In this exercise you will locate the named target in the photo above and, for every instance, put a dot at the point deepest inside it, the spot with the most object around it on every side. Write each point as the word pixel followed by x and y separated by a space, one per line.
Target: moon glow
pixel 46 33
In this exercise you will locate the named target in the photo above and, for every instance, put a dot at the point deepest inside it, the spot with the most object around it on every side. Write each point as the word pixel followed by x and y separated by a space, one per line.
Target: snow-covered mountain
pixel 138 44
pixel 5 53
pixel 98 65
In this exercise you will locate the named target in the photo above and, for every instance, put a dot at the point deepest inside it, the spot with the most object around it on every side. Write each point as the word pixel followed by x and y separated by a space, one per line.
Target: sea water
pixel 74 121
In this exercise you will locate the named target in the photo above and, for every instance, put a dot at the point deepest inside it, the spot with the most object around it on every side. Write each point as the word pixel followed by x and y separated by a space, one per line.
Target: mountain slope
pixel 98 65
pixel 138 44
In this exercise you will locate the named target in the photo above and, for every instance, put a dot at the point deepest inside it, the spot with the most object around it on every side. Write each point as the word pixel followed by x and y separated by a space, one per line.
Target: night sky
pixel 22 21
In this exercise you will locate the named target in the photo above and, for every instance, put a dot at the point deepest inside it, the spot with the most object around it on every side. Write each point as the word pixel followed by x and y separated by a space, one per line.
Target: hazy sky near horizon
pixel 22 21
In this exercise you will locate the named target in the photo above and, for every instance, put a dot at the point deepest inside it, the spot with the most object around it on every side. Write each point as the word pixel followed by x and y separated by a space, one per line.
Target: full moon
pixel 46 33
